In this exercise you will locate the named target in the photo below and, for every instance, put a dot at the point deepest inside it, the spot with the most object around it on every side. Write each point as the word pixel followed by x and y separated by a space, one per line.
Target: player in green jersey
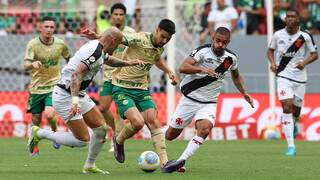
pixel 117 19
pixel 42 58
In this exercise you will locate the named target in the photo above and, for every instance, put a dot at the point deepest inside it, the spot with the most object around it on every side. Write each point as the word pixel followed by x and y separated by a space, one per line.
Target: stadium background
pixel 235 120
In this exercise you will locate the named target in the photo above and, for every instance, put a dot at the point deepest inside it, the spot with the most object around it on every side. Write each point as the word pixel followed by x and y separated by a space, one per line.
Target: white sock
pixel 192 147
pixel 64 138
pixel 287 128
pixel 97 140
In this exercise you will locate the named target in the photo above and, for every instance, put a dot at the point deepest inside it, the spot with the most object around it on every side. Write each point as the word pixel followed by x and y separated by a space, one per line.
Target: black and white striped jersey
pixel 91 54
pixel 290 50
pixel 201 87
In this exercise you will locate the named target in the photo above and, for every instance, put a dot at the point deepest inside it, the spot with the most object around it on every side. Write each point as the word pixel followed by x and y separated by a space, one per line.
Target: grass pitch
pixel 214 160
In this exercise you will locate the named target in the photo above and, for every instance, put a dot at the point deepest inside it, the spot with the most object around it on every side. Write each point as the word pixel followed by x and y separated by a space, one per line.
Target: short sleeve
pixel 273 43
pixel 29 55
pixel 65 52
pixel 312 47
pixel 234 65
pixel 130 39
pixel 233 14
pixel 197 55
pixel 90 53
pixel 211 16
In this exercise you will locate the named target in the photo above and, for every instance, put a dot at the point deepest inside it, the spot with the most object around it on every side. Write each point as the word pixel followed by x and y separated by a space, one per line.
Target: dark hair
pixel 223 31
pixel 207 4
pixel 118 6
pixel 48 18
pixel 292 11
pixel 167 25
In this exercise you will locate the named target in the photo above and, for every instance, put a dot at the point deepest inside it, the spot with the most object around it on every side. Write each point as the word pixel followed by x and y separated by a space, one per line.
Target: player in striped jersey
pixel 288 57
pixel 205 70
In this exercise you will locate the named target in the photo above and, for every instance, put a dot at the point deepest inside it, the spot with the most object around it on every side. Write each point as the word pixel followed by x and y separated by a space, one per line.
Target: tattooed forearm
pixel 115 62
pixel 75 83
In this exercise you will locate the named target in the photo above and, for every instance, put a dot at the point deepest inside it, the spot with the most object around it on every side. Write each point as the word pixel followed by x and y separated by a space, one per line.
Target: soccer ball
pixel 271 133
pixel 148 161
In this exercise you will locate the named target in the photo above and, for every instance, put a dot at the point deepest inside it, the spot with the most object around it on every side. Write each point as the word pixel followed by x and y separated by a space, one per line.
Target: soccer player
pixel 117 19
pixel 130 90
pixel 42 58
pixel 131 94
pixel 205 70
pixel 288 57
pixel 73 104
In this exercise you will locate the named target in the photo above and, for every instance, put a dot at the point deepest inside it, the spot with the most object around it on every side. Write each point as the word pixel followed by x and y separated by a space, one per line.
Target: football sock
pixel 287 127
pixel 64 138
pixel 119 124
pixel 126 132
pixel 97 139
pixel 295 119
pixel 53 123
pixel 159 145
pixel 193 146
pixel 109 119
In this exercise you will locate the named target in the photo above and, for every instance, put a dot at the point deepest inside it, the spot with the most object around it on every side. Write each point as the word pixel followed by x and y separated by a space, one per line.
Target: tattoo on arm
pixel 115 62
pixel 77 78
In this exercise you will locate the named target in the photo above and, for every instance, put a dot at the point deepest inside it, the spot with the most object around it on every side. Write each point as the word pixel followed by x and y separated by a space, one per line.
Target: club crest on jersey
pixel 227 62
pixel 179 121
pixel 298 43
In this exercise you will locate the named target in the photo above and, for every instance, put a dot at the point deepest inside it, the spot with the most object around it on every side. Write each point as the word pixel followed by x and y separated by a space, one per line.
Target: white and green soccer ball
pixel 148 161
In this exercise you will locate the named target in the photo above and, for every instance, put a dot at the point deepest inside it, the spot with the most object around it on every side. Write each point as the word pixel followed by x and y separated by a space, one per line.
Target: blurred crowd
pixel 199 16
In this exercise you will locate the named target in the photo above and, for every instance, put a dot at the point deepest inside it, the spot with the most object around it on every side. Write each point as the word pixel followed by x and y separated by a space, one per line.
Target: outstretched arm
pixel 116 62
pixel 164 67
pixel 238 82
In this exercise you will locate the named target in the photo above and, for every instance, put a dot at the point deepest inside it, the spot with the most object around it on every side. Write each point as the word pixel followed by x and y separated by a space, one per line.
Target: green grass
pixel 214 160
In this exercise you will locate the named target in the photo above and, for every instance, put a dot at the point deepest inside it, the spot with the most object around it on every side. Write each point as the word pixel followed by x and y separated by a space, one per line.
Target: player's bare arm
pixel 28 65
pixel 89 34
pixel 76 79
pixel 164 67
pixel 188 67
pixel 238 82
pixel 116 62
pixel 312 57
pixel 273 65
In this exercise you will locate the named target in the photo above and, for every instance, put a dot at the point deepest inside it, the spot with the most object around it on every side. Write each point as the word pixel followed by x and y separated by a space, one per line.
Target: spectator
pixel 204 33
pixel 254 11
pixel 7 24
pixel 280 9
pixel 313 7
pixel 224 16
pixel 102 19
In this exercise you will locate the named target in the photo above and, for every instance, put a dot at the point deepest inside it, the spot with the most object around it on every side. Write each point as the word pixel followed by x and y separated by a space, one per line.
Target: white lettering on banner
pixel 16 113
pixel 244 130
pixel 265 118
pixel 312 132
pixel 231 133
pixel 228 105
pixel 19 129
pixel 217 133
pixel 315 113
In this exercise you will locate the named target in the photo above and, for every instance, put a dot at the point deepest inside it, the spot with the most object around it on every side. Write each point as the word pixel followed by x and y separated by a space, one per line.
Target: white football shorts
pixel 61 101
pixel 188 109
pixel 288 89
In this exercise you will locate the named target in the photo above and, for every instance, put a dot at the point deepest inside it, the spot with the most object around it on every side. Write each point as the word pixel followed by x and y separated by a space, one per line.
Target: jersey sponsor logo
pixel 289 54
pixel 125 102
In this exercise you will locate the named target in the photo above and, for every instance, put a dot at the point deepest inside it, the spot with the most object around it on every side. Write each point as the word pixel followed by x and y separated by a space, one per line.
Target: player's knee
pixel 137 124
pixel 84 137
pixel 36 119
pixel 204 130
pixel 100 132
